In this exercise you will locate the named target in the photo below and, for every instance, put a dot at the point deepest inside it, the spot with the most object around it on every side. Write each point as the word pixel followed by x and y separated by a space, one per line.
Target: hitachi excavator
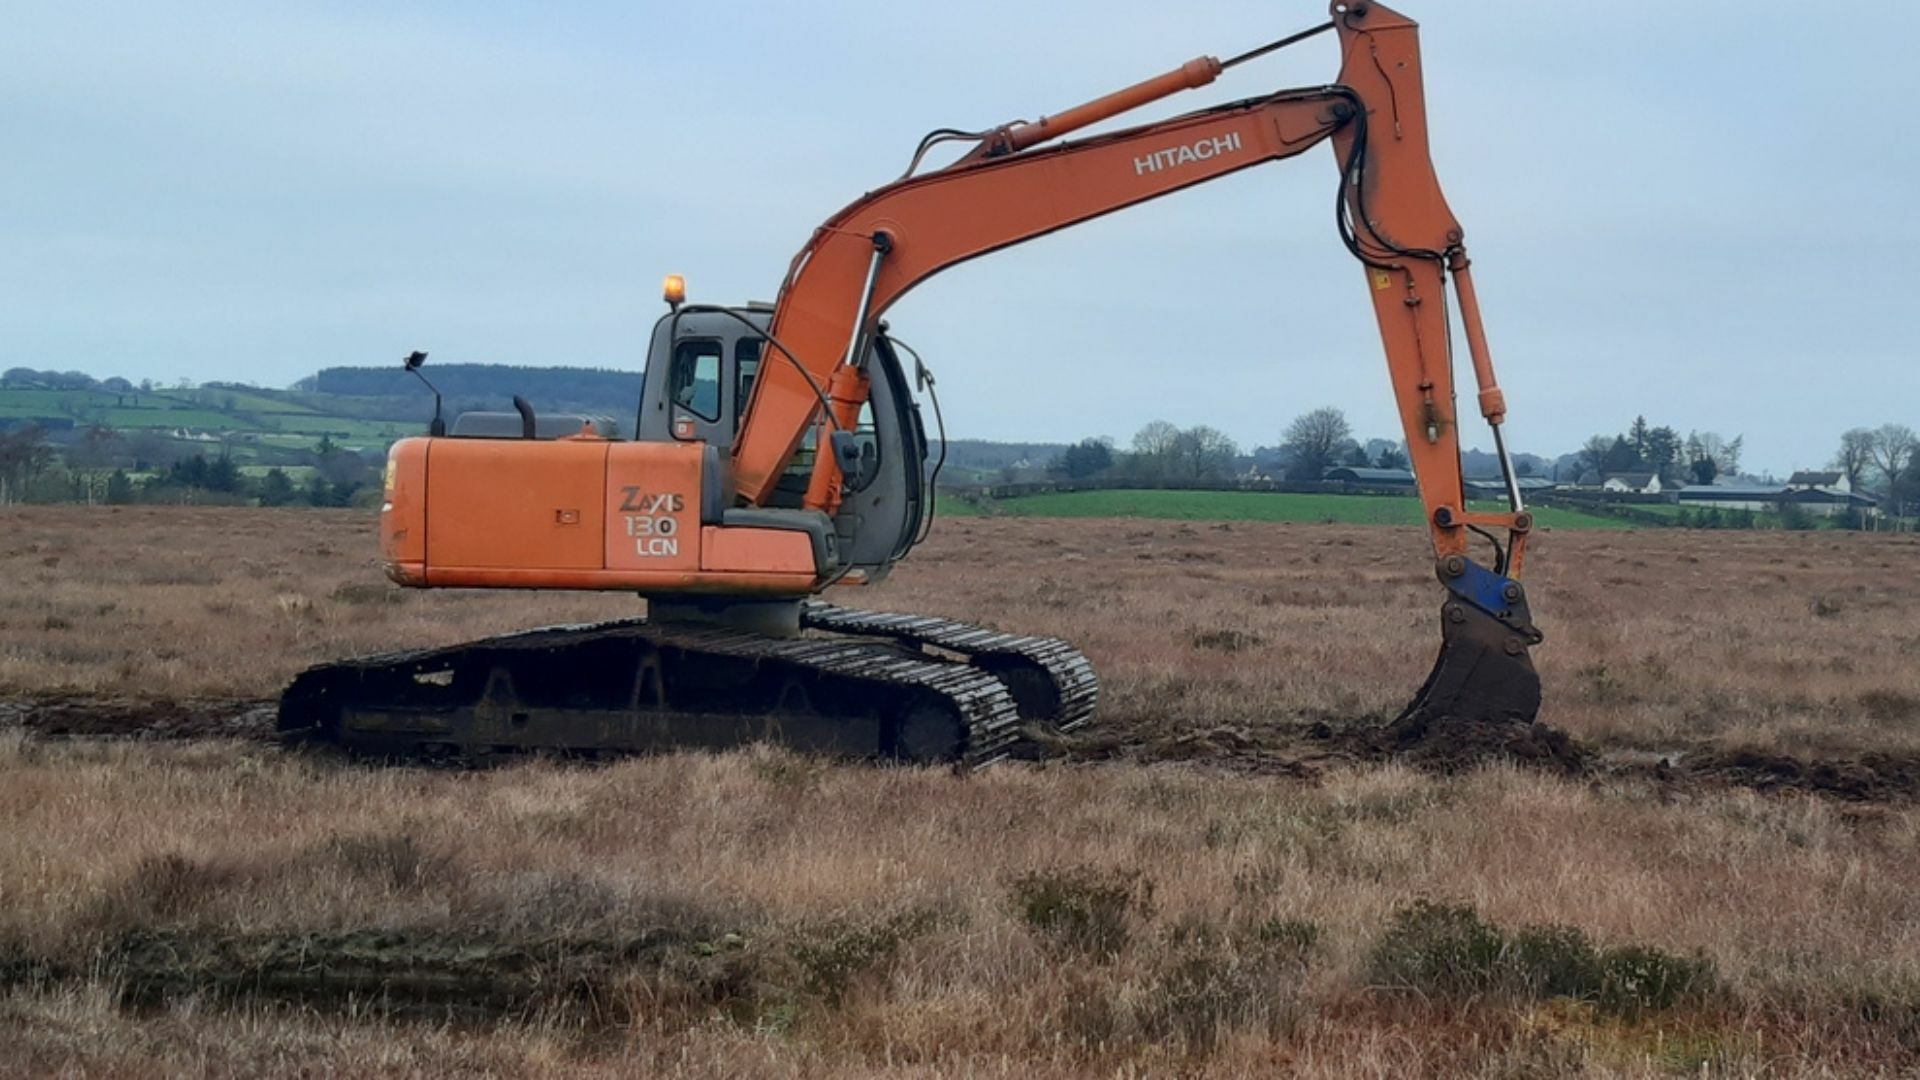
pixel 779 450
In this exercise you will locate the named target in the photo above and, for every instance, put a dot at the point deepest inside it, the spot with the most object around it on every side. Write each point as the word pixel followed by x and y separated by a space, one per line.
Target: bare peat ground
pixel 1233 874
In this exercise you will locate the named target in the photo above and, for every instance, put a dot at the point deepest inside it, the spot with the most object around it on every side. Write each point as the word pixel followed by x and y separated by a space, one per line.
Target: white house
pixel 1634 483
pixel 1808 479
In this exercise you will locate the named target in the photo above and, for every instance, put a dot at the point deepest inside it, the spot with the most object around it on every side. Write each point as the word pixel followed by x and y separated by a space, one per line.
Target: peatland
pixel 1706 865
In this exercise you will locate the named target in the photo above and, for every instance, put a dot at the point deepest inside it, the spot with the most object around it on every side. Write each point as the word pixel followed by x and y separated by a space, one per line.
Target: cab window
pixel 695 378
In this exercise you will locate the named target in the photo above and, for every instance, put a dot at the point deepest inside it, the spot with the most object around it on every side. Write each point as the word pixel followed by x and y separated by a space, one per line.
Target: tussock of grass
pixel 1449 950
pixel 1083 910
pixel 831 957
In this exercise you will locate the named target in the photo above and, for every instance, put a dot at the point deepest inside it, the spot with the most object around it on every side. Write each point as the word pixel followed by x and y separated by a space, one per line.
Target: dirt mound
pixel 1869 778
pixel 1457 745
pixel 120 717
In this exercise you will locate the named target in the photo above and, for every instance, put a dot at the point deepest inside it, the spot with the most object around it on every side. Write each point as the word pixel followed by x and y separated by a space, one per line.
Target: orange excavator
pixel 779 450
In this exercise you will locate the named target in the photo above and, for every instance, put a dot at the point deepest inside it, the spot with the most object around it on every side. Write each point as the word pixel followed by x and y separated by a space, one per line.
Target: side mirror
pixel 412 363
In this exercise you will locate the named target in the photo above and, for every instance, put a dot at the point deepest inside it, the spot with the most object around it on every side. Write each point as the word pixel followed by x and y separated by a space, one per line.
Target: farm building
pixel 1358 476
pixel 1496 488
pixel 1807 479
pixel 1642 483
pixel 1765 498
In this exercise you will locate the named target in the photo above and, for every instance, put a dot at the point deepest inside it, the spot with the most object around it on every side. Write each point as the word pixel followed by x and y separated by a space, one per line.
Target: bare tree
pixel 1724 453
pixel 1593 455
pixel 1895 448
pixel 99 447
pixel 1313 442
pixel 1153 448
pixel 1202 453
pixel 1155 438
pixel 151 450
pixel 24 454
pixel 1855 457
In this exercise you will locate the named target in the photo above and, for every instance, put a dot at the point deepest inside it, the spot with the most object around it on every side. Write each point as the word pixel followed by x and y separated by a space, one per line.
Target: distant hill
pixel 366 408
pixel 597 391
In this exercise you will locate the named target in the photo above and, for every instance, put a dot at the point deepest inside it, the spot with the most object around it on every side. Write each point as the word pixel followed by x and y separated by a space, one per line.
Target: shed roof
pixel 1363 475
pixel 1813 478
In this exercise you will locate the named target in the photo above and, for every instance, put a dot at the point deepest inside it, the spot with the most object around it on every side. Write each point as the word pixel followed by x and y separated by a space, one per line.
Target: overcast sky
pixel 1699 212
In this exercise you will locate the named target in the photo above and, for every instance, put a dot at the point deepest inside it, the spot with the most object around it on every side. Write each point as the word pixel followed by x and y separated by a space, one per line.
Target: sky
pixel 1700 213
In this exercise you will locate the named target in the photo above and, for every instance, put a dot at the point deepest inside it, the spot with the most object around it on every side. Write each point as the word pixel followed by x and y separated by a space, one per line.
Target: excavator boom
pixel 1392 216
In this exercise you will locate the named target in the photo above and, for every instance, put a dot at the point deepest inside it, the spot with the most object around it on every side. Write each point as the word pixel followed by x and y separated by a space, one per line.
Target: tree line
pixel 1312 444
pixel 1883 460
pixel 100 464
pixel 1700 458
pixel 1887 456
pixel 600 390
pixel 104 466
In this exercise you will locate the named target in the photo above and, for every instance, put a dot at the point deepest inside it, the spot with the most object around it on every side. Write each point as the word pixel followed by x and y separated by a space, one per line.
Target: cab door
pixel 880 515
pixel 696 400
pixel 701 367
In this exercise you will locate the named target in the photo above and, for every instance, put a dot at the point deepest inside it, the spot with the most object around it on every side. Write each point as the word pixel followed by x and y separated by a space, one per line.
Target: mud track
pixel 1300 751
pixel 433 975
pixel 1305 749
pixel 1868 778
pixel 78 715
pixel 1456 746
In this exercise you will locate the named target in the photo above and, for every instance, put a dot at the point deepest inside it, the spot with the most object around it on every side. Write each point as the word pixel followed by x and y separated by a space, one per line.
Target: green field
pixel 1242 506
pixel 256 427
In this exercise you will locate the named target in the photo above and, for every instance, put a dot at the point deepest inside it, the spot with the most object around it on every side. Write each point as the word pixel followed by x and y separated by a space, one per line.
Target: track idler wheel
pixel 928 733
pixel 1484 673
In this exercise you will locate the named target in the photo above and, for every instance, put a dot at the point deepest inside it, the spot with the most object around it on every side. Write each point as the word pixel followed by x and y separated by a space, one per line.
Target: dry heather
pixel 225 908
pixel 761 913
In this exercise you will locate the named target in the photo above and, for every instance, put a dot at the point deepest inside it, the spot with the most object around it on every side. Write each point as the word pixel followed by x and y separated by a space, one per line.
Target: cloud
pixel 1689 213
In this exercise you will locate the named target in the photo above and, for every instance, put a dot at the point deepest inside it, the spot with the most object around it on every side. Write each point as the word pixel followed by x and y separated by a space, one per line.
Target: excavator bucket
pixel 1483 673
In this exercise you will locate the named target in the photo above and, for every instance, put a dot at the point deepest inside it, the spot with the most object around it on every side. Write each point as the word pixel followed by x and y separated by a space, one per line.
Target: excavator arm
pixel 1012 187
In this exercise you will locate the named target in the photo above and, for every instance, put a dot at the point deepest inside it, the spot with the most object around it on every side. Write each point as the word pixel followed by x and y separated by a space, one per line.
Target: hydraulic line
pixel 924 376
pixel 715 309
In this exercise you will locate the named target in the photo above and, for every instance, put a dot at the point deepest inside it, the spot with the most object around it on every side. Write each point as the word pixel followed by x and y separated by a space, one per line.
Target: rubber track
pixel 982 702
pixel 1076 687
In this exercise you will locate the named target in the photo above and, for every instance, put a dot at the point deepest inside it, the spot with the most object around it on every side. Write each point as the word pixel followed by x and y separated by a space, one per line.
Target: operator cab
pixel 702 364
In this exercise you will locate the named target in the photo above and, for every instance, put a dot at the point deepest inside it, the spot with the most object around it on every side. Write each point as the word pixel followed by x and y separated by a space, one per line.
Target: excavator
pixel 779 449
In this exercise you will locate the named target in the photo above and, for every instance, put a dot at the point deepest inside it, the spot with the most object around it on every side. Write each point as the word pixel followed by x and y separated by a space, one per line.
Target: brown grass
pixel 1657 639
pixel 885 916
pixel 763 914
